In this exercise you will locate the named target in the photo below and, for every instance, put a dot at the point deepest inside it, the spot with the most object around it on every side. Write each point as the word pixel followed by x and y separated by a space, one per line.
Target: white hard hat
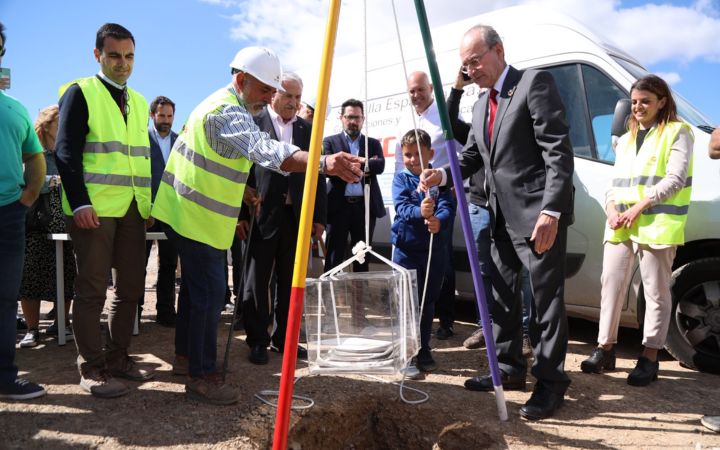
pixel 260 62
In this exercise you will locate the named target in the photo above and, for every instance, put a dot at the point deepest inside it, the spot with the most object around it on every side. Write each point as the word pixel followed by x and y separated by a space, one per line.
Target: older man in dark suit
pixel 274 238
pixel 346 206
pixel 519 136
pixel 162 138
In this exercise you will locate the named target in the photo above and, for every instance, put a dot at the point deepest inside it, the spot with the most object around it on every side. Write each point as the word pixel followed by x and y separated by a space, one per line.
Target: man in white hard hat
pixel 307 110
pixel 199 199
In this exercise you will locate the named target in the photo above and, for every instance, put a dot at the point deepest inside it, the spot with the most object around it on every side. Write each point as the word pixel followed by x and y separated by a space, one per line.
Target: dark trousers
pixel 119 242
pixel 417 260
pixel 202 293
pixel 548 329
pixel 12 255
pixel 349 220
pixel 265 254
pixel 445 307
pixel 167 265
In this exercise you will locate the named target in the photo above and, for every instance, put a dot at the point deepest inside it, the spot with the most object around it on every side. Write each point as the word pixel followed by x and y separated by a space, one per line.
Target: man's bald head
pixel 420 91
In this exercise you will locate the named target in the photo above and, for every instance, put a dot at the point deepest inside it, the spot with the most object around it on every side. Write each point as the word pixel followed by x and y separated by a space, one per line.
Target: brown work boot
pixel 180 365
pixel 101 384
pixel 476 340
pixel 211 389
pixel 127 368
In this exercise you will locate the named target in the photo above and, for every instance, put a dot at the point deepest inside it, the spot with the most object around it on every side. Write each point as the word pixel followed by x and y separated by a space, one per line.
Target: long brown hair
pixel 657 86
pixel 43 123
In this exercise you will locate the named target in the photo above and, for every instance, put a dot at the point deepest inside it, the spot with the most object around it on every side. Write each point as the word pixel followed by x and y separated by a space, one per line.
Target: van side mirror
pixel 620 118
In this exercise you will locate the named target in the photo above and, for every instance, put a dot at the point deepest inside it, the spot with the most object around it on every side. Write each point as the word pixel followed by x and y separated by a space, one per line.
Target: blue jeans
pixel 201 299
pixel 12 256
pixel 480 222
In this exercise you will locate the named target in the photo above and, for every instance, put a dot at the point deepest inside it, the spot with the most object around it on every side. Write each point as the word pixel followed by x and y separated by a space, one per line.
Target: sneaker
pixel 101 384
pixel 21 389
pixel 211 389
pixel 425 362
pixel 476 340
pixel 527 349
pixel 31 339
pixel 411 372
pixel 52 330
pixel 444 333
pixel 130 370
pixel 181 365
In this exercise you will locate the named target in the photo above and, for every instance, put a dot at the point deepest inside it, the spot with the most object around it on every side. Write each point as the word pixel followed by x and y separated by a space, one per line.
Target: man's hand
pixel 241 229
pixel 460 81
pixel 427 207
pixel 28 197
pixel 86 219
pixel 149 222
pixel 433 224
pixel 252 199
pixel 544 233
pixel 317 230
pixel 345 166
pixel 428 179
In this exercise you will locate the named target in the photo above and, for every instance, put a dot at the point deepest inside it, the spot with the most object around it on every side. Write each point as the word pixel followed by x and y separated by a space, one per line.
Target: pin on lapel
pixel 511 91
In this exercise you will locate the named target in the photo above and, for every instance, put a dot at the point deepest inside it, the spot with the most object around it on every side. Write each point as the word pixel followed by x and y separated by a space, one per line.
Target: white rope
pixel 272 393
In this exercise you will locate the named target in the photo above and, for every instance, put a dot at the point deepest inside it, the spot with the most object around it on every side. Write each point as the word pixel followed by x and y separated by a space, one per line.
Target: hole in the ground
pixel 376 422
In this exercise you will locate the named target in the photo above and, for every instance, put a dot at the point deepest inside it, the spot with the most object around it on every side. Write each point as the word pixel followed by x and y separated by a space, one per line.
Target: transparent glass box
pixel 363 323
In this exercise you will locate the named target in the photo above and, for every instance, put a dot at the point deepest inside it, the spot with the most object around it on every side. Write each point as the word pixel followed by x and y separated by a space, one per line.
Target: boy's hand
pixel 433 224
pixel 427 207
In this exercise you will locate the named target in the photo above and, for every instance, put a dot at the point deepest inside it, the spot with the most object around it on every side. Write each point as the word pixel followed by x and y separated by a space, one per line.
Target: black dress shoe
pixel 644 373
pixel 166 320
pixel 444 333
pixel 258 354
pixel 542 404
pixel 485 384
pixel 301 352
pixel 599 360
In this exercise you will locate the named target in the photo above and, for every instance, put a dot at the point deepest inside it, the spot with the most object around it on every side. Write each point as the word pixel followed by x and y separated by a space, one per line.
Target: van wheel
pixel 694 334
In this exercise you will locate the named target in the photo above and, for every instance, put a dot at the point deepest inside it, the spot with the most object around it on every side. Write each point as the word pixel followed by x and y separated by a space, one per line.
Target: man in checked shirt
pixel 200 197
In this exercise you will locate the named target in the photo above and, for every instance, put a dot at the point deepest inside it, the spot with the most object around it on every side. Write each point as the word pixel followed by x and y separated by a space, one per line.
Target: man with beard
pixel 162 138
pixel 199 200
pixel 346 205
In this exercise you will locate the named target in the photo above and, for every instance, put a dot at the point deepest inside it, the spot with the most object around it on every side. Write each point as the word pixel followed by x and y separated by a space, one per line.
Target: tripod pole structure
pixel 297 293
pixel 451 148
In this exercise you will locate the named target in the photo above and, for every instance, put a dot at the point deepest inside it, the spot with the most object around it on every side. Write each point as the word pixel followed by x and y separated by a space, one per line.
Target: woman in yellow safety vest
pixel 646 206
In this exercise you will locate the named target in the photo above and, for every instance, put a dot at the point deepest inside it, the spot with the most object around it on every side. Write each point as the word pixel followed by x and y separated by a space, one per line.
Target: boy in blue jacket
pixel 416 217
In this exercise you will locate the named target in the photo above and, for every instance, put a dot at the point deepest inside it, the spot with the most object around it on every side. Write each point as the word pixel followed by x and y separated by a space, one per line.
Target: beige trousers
pixel 655 271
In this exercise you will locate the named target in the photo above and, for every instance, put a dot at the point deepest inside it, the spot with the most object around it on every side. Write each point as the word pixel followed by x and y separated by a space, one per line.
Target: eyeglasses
pixel 352 118
pixel 474 62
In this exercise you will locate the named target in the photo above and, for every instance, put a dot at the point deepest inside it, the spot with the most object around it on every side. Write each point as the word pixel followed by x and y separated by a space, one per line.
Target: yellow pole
pixel 297 294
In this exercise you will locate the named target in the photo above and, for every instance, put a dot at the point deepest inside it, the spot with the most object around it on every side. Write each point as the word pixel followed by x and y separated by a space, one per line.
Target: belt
pixel 353 199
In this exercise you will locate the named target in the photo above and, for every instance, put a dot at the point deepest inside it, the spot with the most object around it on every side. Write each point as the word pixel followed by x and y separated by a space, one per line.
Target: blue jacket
pixel 409 231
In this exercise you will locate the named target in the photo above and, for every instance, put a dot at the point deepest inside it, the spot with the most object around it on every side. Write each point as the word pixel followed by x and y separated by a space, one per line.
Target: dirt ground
pixel 356 412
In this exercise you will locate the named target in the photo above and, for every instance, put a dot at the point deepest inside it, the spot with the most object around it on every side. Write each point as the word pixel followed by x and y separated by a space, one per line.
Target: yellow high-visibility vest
pixel 116 156
pixel 201 192
pixel 663 223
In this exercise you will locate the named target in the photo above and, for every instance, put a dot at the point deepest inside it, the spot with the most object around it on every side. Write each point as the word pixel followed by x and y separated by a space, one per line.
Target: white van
pixel 591 76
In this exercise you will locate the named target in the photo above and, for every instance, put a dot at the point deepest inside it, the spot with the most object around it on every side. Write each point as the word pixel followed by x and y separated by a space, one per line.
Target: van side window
pixel 602 95
pixel 567 79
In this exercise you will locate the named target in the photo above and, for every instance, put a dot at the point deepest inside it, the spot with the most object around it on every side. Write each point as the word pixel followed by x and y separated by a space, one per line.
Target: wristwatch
pixel 322 167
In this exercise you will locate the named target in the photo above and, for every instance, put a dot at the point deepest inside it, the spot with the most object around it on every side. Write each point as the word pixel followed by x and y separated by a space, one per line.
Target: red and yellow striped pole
pixel 297 294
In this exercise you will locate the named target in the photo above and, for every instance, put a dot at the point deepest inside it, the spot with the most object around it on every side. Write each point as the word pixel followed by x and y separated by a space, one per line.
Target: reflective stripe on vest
pixel 634 172
pixel 201 192
pixel 116 155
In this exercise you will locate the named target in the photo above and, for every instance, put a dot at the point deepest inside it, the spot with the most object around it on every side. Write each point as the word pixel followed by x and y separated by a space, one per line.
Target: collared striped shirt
pixel 232 133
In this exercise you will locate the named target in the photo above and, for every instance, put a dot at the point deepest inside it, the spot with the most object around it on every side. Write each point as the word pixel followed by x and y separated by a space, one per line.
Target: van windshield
pixel 685 109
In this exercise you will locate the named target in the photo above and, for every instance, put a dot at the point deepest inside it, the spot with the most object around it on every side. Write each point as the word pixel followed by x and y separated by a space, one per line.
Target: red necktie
pixel 492 110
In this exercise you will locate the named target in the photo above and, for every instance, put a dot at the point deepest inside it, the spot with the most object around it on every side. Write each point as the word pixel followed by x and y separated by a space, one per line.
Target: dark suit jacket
pixel 529 164
pixel 272 186
pixel 157 163
pixel 336 186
